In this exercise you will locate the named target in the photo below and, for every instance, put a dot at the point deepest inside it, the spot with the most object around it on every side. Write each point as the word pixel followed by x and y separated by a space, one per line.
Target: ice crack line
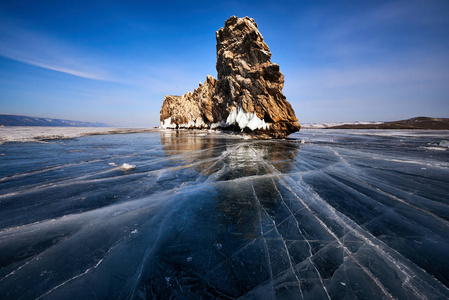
pixel 270 270
pixel 355 232
pixel 274 223
pixel 220 158
pixel 82 274
pixel 349 253
pixel 393 197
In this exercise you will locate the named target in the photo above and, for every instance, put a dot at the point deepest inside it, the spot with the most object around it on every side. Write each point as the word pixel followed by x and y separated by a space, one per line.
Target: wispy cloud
pixel 20 43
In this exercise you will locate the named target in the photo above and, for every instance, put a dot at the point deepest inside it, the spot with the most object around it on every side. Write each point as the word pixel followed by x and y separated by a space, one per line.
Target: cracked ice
pixel 347 214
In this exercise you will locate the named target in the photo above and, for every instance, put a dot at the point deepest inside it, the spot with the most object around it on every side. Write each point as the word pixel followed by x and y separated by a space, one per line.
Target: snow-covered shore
pixel 33 134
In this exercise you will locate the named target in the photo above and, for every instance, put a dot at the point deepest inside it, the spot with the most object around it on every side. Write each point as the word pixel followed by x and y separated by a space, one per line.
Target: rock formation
pixel 191 110
pixel 247 96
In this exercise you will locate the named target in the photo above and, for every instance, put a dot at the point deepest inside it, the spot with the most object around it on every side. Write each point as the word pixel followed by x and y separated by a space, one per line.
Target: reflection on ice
pixel 216 216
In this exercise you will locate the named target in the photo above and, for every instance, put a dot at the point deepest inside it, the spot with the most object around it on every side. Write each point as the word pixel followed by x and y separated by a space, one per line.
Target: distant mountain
pixel 13 120
pixel 413 123
pixel 329 125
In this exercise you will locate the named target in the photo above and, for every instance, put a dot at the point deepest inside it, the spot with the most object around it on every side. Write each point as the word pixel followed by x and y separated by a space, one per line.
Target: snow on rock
pixel 244 119
pixel 167 124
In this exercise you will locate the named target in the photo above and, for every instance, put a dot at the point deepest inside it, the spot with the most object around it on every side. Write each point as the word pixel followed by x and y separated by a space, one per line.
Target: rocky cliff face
pixel 247 96
pixel 191 110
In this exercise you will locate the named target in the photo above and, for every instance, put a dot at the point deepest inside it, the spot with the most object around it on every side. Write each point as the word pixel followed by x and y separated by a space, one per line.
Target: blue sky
pixel 113 61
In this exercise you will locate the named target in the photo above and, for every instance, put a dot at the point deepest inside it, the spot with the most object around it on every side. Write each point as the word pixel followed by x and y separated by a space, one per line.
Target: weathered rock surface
pixel 247 96
pixel 191 110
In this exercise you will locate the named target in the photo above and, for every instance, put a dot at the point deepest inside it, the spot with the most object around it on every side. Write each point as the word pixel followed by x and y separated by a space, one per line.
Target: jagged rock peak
pixel 240 40
pixel 247 95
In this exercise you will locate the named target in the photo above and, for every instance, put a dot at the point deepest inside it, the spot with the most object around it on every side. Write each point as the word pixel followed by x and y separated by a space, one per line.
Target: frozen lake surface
pixel 326 214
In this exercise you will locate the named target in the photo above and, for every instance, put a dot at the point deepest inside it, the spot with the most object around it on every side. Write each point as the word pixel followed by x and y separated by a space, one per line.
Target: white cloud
pixel 21 43
pixel 35 48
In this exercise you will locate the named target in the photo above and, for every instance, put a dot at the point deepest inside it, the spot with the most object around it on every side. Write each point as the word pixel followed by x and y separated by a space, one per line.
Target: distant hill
pixel 13 120
pixel 413 123
pixel 334 124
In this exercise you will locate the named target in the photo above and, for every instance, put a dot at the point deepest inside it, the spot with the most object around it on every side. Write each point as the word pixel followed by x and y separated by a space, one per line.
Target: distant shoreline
pixel 418 123
pixel 43 133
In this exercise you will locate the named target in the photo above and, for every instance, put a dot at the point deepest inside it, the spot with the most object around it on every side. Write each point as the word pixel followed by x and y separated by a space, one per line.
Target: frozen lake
pixel 326 214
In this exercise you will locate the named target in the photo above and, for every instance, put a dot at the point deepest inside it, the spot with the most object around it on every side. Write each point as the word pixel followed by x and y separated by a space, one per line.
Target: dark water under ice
pixel 345 215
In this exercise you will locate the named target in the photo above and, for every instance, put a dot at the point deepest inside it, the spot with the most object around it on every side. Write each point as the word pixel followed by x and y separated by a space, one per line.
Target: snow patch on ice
pixel 435 148
pixel 127 167
pixel 444 143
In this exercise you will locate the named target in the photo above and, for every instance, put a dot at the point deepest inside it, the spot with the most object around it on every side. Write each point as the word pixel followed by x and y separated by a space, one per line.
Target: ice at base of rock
pixel 244 119
pixel 237 116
